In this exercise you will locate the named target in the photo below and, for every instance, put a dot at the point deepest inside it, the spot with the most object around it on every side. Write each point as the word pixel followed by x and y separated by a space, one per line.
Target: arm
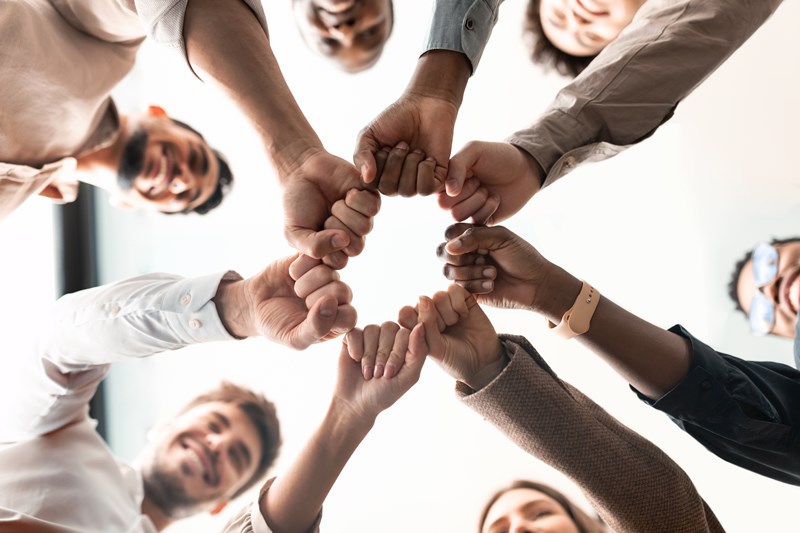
pixel 630 89
pixel 633 484
pixel 294 500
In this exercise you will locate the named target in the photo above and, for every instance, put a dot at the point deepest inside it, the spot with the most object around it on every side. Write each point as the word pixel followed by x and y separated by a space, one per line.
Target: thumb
pixel 317 324
pixel 364 156
pixel 477 238
pixel 317 244
pixel 460 167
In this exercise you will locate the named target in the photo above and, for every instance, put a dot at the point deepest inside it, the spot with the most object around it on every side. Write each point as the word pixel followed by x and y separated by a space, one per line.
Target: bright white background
pixel 657 229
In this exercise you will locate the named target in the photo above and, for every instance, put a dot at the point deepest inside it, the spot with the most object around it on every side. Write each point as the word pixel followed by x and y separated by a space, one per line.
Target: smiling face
pixel 164 166
pixel 350 32
pixel 201 459
pixel 583 28
pixel 523 509
pixel 782 291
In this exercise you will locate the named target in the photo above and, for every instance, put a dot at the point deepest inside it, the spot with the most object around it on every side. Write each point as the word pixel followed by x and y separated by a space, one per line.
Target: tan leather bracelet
pixel 578 317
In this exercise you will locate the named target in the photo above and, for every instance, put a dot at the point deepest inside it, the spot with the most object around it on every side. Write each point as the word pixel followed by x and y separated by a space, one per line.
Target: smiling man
pixel 765 286
pixel 59 475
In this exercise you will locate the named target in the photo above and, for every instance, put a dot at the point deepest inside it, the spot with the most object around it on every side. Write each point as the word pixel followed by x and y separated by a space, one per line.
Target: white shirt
pixel 57 473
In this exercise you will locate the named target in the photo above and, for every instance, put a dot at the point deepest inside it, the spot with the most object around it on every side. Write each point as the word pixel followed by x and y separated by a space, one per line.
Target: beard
pixel 132 161
pixel 166 491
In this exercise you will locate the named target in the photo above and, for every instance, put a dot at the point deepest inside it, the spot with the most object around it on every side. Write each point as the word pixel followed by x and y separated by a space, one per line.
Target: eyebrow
pixel 222 419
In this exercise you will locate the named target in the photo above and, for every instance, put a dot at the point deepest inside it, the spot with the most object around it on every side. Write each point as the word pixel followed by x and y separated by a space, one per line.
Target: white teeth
pixel 162 169
pixel 197 463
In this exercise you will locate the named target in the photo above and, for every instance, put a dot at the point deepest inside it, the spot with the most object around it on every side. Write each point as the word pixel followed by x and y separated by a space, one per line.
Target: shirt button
pixel 194 323
pixel 569 162
pixel 186 298
pixel 469 24
pixel 706 384
pixel 115 310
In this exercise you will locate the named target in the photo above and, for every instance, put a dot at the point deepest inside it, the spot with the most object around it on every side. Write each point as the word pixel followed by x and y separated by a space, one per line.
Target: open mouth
pixel 790 289
pixel 160 172
pixel 200 460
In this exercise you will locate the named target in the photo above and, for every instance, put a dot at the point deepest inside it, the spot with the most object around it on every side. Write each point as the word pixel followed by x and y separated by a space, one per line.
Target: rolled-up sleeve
pixel 462 26
pixel 163 21
pixel 746 412
pixel 634 85
pixel 250 519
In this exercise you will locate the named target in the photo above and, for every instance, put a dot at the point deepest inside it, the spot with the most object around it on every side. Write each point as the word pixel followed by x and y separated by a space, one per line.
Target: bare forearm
pixel 652 359
pixel 228 46
pixel 441 74
pixel 295 498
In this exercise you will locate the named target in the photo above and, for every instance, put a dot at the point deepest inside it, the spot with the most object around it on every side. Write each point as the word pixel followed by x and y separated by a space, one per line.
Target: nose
pixel 522 526
pixel 344 32
pixel 771 289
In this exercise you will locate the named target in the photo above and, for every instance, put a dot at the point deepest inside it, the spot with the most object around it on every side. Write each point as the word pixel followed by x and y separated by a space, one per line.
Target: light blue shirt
pixel 462 26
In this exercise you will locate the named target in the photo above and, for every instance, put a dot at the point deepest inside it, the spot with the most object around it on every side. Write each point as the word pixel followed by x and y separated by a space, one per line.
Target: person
pixel 745 412
pixel 59 475
pixel 631 483
pixel 630 89
pixel 293 501
pixel 225 43
pixel 351 33
pixel 765 288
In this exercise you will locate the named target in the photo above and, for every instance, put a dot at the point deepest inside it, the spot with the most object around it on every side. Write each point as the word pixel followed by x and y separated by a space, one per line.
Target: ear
pixel 119 202
pixel 218 509
pixel 156 111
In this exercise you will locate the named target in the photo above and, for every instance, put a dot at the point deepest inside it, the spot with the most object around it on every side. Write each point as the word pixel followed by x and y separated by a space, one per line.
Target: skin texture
pixel 584 27
pixel 351 33
pixel 783 290
pixel 523 510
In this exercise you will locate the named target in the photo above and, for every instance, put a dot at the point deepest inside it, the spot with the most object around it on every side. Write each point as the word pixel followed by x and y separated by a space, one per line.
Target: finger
pixel 372 335
pixel 336 260
pixel 354 221
pixel 467 189
pixel 417 346
pixel 368 203
pixel 407 185
pixel 316 325
pixel 355 344
pixel 445 308
pixel 470 273
pixel 408 317
pixel 356 245
pixel 338 290
pixel 479 238
pixel 364 156
pixel 385 342
pixel 484 213
pixel 397 356
pixel 380 161
pixel 390 177
pixel 317 244
pixel 458 260
pixel 458 300
pixel 429 318
pixel 470 205
pixel 315 278
pixel 346 320
pixel 301 265
pixel 428 179
pixel 456 230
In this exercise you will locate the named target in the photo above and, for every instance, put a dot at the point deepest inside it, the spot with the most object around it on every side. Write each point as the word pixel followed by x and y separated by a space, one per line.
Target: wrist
pixel 556 294
pixel 533 169
pixel 441 74
pixel 289 157
pixel 349 418
pixel 489 371
pixel 233 308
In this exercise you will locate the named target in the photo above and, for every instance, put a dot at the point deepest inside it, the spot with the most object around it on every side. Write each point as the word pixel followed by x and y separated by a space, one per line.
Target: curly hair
pixel 261 413
pixel 544 52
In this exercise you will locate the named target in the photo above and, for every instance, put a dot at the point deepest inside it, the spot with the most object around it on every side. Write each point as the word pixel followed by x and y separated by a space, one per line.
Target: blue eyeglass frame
pixel 762 310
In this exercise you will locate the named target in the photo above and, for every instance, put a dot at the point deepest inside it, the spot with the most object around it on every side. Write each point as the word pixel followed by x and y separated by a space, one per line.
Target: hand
pixel 295 301
pixel 498 266
pixel 509 176
pixel 458 335
pixel 354 215
pixel 366 397
pixel 311 190
pixel 406 148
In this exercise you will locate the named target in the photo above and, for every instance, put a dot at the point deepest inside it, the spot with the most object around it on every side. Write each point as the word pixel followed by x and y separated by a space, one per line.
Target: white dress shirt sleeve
pixel 163 21
pixel 462 26
pixel 90 329
pixel 635 83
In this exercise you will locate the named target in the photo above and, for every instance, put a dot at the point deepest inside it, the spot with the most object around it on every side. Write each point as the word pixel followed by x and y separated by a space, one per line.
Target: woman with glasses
pixel 746 412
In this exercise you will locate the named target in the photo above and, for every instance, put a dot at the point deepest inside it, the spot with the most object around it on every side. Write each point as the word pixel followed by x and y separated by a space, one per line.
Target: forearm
pixel 441 74
pixel 652 359
pixel 295 498
pixel 227 45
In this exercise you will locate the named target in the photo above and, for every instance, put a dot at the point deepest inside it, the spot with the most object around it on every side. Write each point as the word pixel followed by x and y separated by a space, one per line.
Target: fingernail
pixel 488 272
pixel 363 170
pixel 455 244
pixel 487 284
pixel 339 241
pixel 326 311
pixel 378 371
pixel 480 260
pixel 390 372
pixel 402 145
pixel 367 371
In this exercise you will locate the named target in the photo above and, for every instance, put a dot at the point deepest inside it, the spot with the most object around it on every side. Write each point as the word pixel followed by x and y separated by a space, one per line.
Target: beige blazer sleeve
pixel 632 484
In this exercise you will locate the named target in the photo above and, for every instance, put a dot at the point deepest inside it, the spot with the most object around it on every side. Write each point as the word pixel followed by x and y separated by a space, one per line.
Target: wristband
pixel 577 318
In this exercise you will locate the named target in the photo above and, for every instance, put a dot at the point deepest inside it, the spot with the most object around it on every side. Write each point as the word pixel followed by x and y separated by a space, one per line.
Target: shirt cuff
pixel 259 522
pixel 462 26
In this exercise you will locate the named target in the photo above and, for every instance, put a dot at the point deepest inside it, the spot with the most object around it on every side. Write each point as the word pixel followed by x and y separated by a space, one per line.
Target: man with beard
pixel 59 475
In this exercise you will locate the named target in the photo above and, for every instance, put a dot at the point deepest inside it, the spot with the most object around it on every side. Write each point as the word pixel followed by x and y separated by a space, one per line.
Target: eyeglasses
pixel 762 308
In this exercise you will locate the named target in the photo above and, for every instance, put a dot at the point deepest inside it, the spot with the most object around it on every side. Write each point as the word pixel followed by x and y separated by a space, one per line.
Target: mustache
pixel 132 161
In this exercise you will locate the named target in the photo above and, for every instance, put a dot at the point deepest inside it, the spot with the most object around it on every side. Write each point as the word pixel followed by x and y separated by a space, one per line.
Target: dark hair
pixel 733 284
pixel 224 178
pixel 544 52
pixel 584 522
pixel 260 411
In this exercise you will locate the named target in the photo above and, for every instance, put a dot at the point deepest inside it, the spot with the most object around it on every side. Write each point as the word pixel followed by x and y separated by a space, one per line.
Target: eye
pixel 329 43
pixel 369 32
pixel 536 515
pixel 592 37
pixel 560 15
pixel 214 427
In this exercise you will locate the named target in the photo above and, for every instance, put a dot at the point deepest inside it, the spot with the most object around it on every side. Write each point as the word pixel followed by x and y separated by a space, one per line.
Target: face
pixel 584 27
pixel 201 459
pixel 783 291
pixel 350 32
pixel 164 167
pixel 524 510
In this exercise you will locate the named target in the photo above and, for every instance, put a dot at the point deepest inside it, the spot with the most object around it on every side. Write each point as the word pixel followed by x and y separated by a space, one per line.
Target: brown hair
pixel 261 413
pixel 544 52
pixel 584 522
